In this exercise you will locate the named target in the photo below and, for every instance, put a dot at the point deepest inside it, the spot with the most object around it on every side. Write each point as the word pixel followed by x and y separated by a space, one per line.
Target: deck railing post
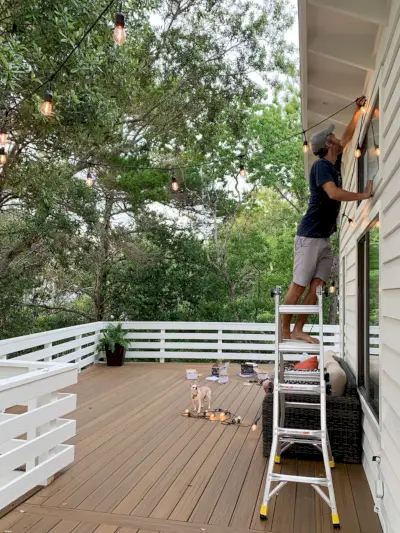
pixel 49 358
pixel 78 349
pixel 220 344
pixel 162 343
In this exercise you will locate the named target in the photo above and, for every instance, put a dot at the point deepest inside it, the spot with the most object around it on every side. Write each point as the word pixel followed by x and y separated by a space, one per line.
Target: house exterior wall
pixel 381 437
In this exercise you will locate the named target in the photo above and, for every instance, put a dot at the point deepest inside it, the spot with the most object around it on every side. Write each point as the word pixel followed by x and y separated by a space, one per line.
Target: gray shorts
pixel 313 258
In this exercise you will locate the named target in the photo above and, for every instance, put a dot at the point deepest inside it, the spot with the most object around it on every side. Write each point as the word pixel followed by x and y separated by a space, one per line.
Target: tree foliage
pixel 180 93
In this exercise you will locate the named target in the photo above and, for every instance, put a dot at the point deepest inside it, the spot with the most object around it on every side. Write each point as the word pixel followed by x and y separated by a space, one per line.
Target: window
pixel 368 163
pixel 368 316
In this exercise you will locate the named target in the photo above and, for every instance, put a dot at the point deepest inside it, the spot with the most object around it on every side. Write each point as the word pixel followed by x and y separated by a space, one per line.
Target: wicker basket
pixel 343 420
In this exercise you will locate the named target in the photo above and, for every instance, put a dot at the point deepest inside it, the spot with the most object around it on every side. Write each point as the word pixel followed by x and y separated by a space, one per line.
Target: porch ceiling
pixel 337 55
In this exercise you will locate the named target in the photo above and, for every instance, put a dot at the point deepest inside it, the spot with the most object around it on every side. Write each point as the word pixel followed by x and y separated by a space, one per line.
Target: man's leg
pixel 305 260
pixel 310 299
pixel 292 297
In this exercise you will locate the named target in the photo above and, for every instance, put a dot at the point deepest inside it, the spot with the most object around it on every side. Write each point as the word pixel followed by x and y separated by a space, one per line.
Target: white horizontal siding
pixel 384 438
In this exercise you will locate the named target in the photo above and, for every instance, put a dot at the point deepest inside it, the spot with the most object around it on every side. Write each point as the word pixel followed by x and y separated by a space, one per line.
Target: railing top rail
pixel 24 342
pixel 37 371
pixel 213 326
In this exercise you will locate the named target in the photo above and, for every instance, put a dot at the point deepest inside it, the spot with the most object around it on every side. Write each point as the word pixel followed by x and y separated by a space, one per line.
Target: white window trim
pixel 368 413
pixel 374 212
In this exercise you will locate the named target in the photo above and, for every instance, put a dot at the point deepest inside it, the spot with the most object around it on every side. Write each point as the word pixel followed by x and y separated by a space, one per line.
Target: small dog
pixel 200 395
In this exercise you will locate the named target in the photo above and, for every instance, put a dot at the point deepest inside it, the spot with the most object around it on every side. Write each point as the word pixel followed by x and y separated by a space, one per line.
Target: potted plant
pixel 113 342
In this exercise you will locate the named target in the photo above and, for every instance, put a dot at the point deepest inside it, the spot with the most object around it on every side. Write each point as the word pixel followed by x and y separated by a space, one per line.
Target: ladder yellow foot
pixel 335 521
pixel 332 463
pixel 277 459
pixel 264 512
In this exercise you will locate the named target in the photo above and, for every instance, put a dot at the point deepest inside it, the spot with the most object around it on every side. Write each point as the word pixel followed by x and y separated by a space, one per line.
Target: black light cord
pixel 200 165
pixel 230 420
pixel 64 62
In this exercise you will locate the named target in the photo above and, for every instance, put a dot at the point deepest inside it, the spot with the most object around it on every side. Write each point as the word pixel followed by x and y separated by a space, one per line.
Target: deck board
pixel 141 467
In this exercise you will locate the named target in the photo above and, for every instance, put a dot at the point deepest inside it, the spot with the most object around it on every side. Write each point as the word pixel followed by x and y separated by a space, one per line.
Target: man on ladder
pixel 312 265
pixel 313 254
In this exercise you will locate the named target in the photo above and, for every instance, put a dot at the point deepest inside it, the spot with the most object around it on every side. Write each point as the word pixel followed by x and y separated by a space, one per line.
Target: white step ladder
pixel 284 437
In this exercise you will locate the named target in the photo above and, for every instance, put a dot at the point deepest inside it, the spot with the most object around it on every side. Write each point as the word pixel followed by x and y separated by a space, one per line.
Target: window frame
pixel 342 296
pixel 363 328
pixel 363 145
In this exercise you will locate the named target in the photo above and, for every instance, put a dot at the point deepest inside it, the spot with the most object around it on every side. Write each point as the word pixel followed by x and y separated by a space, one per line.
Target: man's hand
pixel 361 101
pixel 368 191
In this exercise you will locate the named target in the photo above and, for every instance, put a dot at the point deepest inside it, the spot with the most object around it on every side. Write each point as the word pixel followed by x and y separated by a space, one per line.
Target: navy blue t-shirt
pixel 320 219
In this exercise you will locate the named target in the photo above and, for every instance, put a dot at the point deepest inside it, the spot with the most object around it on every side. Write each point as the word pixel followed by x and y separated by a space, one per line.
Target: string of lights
pixel 358 151
pixel 119 36
pixel 47 105
pixel 226 417
pixel 47 108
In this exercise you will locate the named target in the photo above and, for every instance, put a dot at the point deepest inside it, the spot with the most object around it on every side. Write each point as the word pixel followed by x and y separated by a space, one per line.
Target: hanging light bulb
pixel 119 28
pixel 89 179
pixel 174 184
pixel 358 152
pixel 332 288
pixel 242 169
pixel 3 136
pixel 254 426
pixel 363 109
pixel 377 150
pixel 350 220
pixel 47 106
pixel 305 143
pixel 3 156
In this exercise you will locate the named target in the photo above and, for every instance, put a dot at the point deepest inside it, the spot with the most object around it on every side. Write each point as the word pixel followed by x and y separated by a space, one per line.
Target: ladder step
pixel 299 309
pixel 303 405
pixel 292 440
pixel 300 433
pixel 299 479
pixel 299 388
pixel 288 346
pixel 296 375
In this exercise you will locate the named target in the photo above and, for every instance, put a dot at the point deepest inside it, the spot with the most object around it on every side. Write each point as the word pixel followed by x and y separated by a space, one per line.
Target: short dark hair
pixel 322 152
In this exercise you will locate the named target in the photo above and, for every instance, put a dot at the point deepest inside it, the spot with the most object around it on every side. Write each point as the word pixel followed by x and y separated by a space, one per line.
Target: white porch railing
pixel 77 344
pixel 212 340
pixel 31 430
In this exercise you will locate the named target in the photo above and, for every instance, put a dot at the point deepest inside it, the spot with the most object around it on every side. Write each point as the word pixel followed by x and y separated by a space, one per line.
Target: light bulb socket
pixel 48 97
pixel 119 20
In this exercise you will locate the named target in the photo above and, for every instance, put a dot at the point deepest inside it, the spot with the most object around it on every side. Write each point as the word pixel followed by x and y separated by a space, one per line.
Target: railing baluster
pixel 162 342
pixel 32 434
pixel 220 346
pixel 78 349
pixel 49 358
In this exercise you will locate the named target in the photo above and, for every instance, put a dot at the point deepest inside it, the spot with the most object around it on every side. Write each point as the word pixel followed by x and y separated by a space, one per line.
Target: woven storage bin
pixel 343 420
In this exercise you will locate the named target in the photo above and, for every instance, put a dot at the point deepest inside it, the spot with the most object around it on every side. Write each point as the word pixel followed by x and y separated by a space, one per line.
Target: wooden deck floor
pixel 141 467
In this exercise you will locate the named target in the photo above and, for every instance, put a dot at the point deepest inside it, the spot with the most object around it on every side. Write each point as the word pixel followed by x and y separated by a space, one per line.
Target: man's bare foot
pixel 285 334
pixel 301 336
